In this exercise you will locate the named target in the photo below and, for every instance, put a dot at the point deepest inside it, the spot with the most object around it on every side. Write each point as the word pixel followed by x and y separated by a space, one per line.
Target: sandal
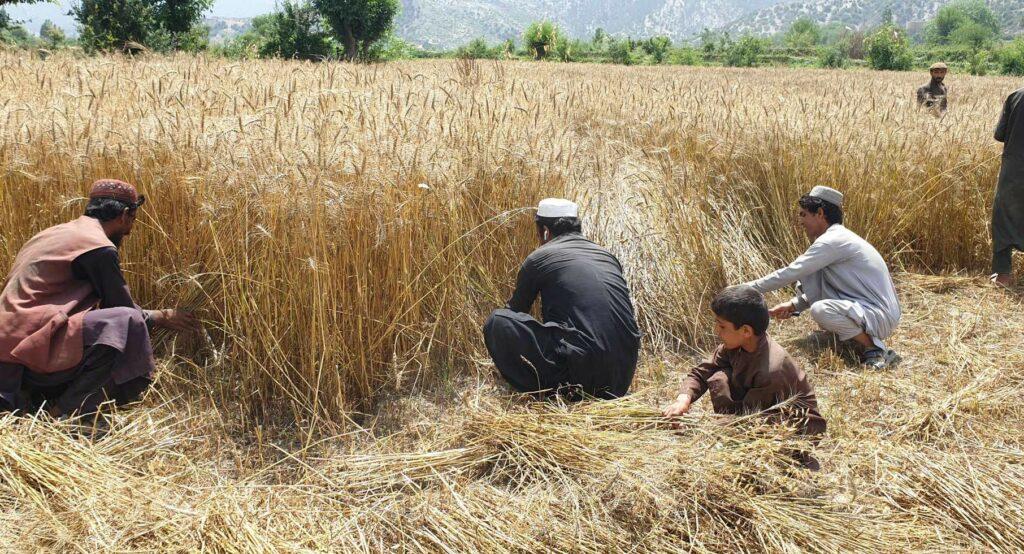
pixel 876 358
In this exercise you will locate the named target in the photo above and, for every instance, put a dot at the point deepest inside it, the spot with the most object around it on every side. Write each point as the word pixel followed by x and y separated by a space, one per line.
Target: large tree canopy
pixel 358 24
pixel 968 23
pixel 160 24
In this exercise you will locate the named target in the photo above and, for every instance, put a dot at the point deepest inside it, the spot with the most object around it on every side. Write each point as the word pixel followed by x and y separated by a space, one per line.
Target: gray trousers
pixel 834 316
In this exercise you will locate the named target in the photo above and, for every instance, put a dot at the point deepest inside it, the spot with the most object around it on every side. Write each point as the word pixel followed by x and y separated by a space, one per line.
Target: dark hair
pixel 106 209
pixel 833 213
pixel 560 225
pixel 742 305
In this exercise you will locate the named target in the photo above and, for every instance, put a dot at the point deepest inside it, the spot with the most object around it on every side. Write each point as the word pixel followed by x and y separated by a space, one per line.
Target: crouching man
pixel 750 372
pixel 842 280
pixel 589 340
pixel 71 337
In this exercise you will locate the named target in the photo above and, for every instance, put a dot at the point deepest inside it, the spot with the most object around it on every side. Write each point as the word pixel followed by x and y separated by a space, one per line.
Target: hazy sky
pixel 34 15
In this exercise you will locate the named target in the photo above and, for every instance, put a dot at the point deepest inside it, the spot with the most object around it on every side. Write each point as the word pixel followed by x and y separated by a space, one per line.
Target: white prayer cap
pixel 830 195
pixel 557 207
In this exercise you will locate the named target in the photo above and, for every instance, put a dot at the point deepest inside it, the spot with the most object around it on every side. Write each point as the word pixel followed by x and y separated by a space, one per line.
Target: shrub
pixel 745 53
pixel 979 62
pixel 888 49
pixel 620 52
pixel 657 48
pixel 1011 58
pixel 476 49
pixel 685 56
pixel 833 57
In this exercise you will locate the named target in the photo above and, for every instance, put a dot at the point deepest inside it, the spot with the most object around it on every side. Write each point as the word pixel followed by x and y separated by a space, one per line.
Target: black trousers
pixel 527 353
pixel 79 390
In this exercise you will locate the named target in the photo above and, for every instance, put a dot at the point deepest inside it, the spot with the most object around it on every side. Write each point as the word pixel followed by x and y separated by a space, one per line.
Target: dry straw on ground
pixel 344 230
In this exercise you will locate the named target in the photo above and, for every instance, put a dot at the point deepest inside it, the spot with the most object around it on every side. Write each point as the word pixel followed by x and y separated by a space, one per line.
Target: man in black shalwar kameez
pixel 1008 207
pixel 589 341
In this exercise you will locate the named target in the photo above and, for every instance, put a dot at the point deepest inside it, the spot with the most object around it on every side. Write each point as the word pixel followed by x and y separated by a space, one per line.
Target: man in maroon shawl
pixel 71 337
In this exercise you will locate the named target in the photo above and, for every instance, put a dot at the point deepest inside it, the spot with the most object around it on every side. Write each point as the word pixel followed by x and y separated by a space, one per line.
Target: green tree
pixel 803 34
pixel 180 19
pixel 359 24
pixel 888 48
pixel 540 38
pixel 158 24
pixel 113 24
pixel 52 34
pixel 969 23
pixel 600 36
pixel 745 53
pixel 297 32
pixel 657 48
pixel 712 41
pixel 565 49
pixel 887 17
pixel 619 52
pixel 476 49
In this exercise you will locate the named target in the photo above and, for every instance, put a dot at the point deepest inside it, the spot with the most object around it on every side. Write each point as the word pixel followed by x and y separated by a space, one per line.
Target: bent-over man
pixel 1008 206
pixel 71 337
pixel 589 340
pixel 842 280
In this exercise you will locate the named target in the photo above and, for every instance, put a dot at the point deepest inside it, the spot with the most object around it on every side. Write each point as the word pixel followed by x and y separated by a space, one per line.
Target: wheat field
pixel 343 231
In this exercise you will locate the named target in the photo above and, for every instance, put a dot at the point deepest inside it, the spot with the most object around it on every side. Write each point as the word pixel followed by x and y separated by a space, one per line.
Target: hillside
pixel 445 24
pixel 449 23
pixel 861 13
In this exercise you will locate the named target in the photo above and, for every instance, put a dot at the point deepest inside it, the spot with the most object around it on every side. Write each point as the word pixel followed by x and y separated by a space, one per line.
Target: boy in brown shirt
pixel 750 372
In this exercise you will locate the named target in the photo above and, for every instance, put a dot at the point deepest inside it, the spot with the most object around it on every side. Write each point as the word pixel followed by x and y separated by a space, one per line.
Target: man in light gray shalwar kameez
pixel 843 282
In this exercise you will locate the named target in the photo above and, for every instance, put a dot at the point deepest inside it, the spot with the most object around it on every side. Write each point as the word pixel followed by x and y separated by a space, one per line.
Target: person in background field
pixel 843 281
pixel 1008 206
pixel 750 372
pixel 589 341
pixel 934 95
pixel 71 337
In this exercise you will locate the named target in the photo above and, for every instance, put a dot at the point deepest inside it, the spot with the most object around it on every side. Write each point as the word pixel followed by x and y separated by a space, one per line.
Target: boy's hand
pixel 782 311
pixel 679 407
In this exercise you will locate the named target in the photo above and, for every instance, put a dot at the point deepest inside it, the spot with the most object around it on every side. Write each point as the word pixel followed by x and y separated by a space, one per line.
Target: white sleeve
pixel 819 256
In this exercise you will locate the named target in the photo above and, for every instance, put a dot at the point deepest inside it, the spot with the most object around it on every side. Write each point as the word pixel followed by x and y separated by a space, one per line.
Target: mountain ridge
pixel 447 24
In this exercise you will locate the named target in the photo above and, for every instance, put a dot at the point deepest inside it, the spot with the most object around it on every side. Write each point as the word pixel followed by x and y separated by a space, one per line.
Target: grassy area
pixel 345 229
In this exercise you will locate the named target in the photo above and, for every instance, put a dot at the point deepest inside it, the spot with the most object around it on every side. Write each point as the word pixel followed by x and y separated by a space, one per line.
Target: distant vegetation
pixel 966 34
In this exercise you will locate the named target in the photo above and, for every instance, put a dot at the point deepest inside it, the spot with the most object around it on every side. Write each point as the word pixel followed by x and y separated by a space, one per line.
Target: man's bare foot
pixel 1002 279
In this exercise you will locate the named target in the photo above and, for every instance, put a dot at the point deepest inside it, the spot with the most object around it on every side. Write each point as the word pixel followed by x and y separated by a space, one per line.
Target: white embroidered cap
pixel 557 207
pixel 830 195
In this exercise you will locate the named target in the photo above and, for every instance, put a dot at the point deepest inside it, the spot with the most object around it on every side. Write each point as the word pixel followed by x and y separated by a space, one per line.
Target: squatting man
pixel 841 280
pixel 71 336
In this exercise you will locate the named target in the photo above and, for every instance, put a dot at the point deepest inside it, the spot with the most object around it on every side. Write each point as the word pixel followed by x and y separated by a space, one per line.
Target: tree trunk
pixel 351 47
